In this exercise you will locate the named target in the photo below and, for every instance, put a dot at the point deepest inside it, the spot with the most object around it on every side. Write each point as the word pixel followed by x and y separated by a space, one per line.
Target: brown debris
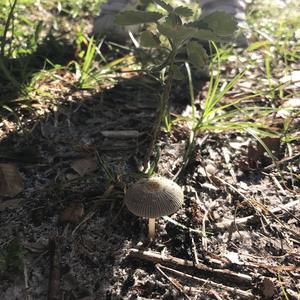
pixel 11 181
pixel 72 213
pixel 84 166
pixel 268 288
pixel 54 292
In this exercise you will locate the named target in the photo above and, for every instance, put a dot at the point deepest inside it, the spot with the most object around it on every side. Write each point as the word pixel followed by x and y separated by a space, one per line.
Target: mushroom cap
pixel 154 197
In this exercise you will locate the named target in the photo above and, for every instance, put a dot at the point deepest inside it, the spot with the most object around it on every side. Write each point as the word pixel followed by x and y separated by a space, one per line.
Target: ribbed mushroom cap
pixel 154 197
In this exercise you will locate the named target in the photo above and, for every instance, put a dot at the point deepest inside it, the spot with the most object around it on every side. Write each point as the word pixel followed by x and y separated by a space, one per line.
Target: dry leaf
pixel 257 155
pixel 84 166
pixel 72 213
pixel 268 288
pixel 11 181
pixel 273 145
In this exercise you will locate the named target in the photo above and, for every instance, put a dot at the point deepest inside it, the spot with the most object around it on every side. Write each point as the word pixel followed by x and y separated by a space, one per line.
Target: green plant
pixel 75 8
pixel 217 116
pixel 85 68
pixel 174 32
pixel 9 21
pixel 89 68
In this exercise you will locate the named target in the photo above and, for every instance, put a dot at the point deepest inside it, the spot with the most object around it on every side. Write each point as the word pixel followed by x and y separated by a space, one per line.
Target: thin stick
pixel 156 257
pixel 238 292
pixel 227 223
pixel 26 283
pixel 284 160
pixel 178 286
pixel 164 105
pixel 204 238
pixel 277 183
pixel 54 277
pixel 194 249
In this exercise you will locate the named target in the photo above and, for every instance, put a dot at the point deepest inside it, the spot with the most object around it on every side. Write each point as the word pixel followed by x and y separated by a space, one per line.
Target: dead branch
pixel 156 257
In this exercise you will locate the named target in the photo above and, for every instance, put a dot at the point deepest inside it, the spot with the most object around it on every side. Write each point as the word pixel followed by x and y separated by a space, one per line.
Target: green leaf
pixel 220 23
pixel 173 33
pixel 183 11
pixel 177 74
pixel 177 34
pixel 164 5
pixel 131 17
pixel 148 39
pixel 204 34
pixel 38 30
pixel 173 19
pixel 197 54
pixel 199 24
pixel 180 34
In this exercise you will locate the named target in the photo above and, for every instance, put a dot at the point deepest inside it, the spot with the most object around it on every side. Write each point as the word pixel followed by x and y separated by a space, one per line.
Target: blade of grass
pixel 8 75
pixel 6 27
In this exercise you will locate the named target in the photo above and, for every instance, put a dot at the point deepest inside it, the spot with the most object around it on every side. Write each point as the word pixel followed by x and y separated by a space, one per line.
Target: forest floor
pixel 70 146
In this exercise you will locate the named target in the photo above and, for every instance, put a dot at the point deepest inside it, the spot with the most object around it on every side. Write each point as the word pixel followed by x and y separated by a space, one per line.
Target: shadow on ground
pixel 17 73
pixel 74 160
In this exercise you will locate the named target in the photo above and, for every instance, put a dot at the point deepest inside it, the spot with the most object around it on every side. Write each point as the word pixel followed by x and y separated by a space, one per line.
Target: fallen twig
pixel 280 162
pixel 277 183
pixel 54 277
pixel 238 221
pixel 156 257
pixel 26 283
pixel 194 249
pixel 226 155
pixel 238 292
pixel 204 238
pixel 177 285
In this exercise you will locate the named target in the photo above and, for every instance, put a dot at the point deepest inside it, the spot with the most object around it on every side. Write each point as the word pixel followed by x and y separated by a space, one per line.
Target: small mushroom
pixel 153 198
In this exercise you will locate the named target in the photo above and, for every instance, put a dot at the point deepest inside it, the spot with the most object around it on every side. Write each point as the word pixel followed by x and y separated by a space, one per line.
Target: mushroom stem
pixel 151 229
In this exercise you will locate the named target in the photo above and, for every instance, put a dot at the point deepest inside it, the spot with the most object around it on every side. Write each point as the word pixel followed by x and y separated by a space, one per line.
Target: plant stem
pixel 163 109
pixel 6 27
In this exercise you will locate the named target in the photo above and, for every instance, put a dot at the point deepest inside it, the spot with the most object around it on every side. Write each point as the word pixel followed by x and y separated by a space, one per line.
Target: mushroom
pixel 152 198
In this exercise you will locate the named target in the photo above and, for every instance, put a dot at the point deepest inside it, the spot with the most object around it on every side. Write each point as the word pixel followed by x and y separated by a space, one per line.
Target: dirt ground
pixel 66 234
pixel 69 223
